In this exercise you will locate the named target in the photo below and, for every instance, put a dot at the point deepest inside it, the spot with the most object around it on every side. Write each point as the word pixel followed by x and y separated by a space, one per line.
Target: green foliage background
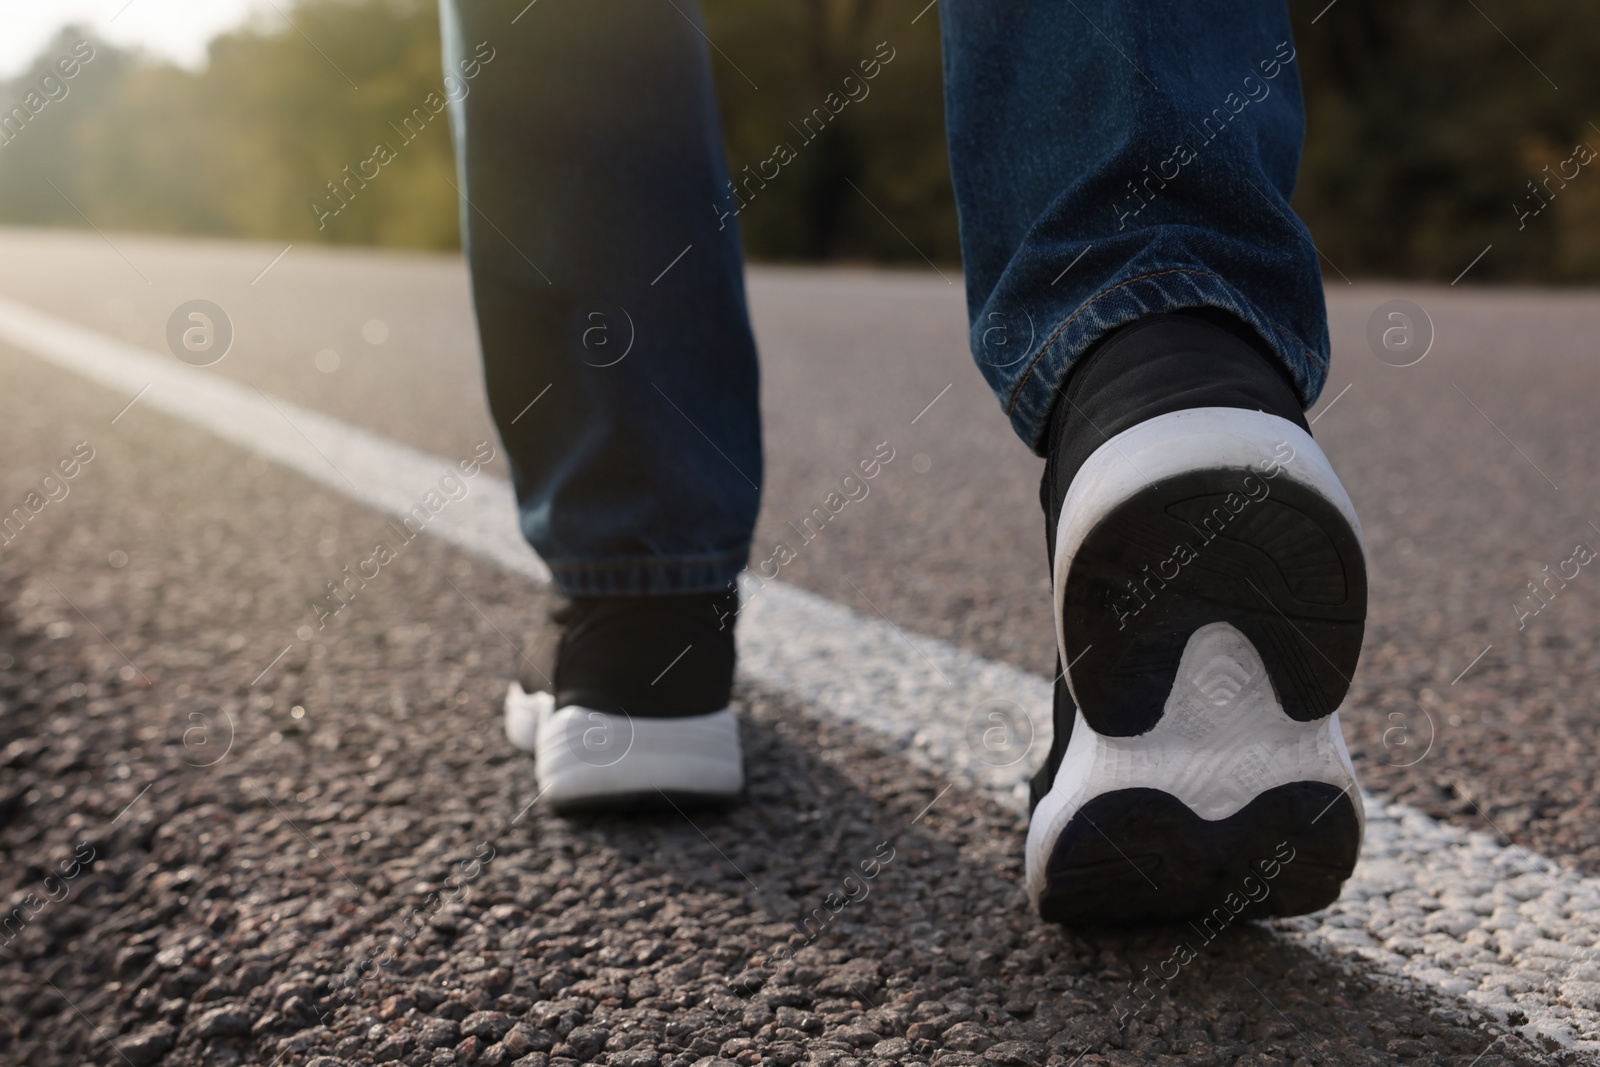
pixel 1426 124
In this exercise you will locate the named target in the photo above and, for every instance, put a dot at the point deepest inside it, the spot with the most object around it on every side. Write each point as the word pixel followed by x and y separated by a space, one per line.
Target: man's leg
pixel 1149 312
pixel 620 365
pixel 1112 161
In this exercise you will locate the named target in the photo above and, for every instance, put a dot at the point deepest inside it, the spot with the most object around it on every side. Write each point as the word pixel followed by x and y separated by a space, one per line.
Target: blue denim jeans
pixel 1111 161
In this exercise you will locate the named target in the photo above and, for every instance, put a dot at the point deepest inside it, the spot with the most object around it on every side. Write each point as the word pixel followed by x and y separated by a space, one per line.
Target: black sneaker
pixel 1210 593
pixel 633 705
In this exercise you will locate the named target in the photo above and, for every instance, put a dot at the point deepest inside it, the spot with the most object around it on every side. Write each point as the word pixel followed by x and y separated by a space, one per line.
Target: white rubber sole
pixel 1222 741
pixel 584 757
pixel 1187 784
pixel 1177 443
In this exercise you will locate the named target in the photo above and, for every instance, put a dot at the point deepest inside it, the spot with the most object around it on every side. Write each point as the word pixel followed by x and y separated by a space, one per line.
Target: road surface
pixel 230 836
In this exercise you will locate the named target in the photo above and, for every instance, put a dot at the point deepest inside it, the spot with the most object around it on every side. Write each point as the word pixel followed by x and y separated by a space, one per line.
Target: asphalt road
pixel 256 845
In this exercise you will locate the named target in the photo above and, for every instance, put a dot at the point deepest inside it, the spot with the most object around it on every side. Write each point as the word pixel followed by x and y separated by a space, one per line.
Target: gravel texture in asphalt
pixel 235 837
pixel 1472 470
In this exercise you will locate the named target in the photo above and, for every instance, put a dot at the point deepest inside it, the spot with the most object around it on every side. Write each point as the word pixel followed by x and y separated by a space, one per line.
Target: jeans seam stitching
pixel 1016 394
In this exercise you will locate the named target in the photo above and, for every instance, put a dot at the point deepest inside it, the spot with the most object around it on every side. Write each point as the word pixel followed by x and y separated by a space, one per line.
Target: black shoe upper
pixel 646 656
pixel 1158 365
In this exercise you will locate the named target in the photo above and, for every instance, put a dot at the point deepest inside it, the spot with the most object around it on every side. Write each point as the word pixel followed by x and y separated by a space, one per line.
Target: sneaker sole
pixel 1201 516
pixel 1210 574
pixel 587 759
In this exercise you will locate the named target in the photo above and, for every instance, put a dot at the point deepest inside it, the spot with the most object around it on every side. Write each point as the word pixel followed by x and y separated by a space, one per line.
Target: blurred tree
pixel 1435 130
pixel 887 139
pixel 246 146
pixel 39 148
pixel 1427 120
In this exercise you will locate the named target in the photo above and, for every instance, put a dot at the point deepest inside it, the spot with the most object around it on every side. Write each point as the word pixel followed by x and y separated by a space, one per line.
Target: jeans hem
pixel 652 576
pixel 1130 299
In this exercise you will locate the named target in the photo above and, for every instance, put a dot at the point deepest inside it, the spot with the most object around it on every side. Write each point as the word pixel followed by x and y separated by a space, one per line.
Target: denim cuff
pixel 649 575
pixel 1124 299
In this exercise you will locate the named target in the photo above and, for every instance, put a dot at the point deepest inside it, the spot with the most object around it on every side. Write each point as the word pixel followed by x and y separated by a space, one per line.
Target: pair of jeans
pixel 1110 161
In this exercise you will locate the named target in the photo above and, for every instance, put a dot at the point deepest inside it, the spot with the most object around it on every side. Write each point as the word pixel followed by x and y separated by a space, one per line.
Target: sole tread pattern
pixel 1138 855
pixel 1286 570
pixel 1210 569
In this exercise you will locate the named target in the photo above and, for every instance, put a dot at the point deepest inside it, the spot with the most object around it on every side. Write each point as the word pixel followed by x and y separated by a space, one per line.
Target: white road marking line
pixel 899 631
pixel 1453 911
pixel 385 475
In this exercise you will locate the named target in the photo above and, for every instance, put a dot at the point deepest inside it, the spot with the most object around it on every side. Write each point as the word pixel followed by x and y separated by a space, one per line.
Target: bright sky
pixel 174 29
